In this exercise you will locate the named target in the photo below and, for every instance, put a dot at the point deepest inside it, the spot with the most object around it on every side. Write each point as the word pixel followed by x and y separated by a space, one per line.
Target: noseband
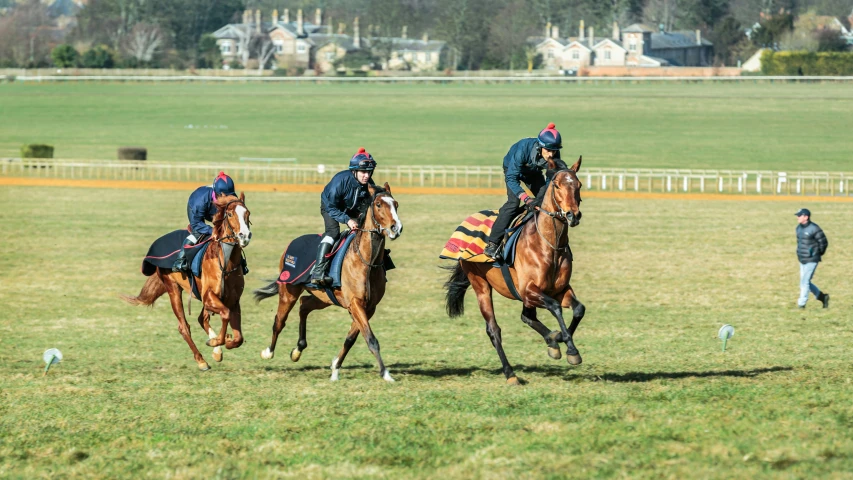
pixel 562 215
pixel 377 230
pixel 232 235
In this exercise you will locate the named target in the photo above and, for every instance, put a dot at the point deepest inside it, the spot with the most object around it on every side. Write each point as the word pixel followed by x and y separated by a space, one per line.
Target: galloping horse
pixel 541 273
pixel 362 284
pixel 220 285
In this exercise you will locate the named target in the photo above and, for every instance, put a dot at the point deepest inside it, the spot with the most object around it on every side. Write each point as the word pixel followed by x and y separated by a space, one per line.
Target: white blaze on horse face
pixel 397 223
pixel 245 235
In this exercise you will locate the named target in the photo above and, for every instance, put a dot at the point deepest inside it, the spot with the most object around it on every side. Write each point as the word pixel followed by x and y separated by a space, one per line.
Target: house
pixel 753 64
pixel 637 45
pixel 401 53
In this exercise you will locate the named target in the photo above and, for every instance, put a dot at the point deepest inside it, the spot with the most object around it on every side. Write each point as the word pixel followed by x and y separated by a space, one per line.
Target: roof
pixel 670 40
pixel 540 40
pixel 638 28
pixel 343 41
pixel 229 31
pixel 410 44
pixel 610 40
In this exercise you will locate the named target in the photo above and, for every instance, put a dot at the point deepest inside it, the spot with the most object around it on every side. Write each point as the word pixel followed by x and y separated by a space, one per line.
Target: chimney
pixel 318 17
pixel 258 21
pixel 548 30
pixel 426 37
pixel 300 30
pixel 405 27
pixel 342 27
pixel 698 37
pixel 615 31
pixel 274 16
pixel 356 38
pixel 286 15
pixel 580 36
pixel 555 32
pixel 247 16
pixel 591 38
pixel 370 30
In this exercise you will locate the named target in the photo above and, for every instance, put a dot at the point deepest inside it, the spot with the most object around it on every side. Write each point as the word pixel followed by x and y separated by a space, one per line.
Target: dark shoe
pixel 318 273
pixel 801 307
pixel 492 251
pixel 824 298
pixel 181 261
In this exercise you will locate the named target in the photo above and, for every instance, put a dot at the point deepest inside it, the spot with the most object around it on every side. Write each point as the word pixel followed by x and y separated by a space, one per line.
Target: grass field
pixel 655 397
pixel 713 126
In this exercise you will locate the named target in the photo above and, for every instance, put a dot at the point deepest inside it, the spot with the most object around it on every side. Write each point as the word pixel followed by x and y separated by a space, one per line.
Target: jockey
pixel 343 199
pixel 524 163
pixel 201 207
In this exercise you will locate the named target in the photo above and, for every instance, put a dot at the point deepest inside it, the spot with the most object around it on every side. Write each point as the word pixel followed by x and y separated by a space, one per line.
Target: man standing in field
pixel 811 246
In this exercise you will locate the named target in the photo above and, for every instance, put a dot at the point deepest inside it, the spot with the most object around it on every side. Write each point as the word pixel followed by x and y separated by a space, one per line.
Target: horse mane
pixel 221 203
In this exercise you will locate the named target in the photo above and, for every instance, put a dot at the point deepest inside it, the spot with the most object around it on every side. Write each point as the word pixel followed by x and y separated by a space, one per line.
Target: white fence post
pixel 758 183
pixel 620 182
pixel 604 182
pixel 783 177
pixel 668 183
pixel 721 184
pixel 685 183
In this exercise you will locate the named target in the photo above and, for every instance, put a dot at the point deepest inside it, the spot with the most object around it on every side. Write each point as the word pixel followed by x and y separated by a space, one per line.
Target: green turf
pixel 698 125
pixel 655 397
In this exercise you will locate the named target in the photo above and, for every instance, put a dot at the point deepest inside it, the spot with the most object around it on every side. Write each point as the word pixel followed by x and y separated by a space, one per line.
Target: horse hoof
pixel 554 353
pixel 574 359
pixel 203 366
pixel 295 355
pixel 217 355
pixel 387 377
pixel 266 354
pixel 513 380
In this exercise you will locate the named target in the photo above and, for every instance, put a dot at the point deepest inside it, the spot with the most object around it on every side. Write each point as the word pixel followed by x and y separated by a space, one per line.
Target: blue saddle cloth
pixel 300 256
pixel 511 242
pixel 195 268
pixel 164 251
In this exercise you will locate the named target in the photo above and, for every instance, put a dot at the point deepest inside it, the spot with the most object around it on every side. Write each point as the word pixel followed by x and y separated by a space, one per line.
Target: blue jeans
pixel 806 285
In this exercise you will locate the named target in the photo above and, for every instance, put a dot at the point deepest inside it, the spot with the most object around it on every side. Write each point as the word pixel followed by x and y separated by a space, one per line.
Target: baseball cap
pixel 803 211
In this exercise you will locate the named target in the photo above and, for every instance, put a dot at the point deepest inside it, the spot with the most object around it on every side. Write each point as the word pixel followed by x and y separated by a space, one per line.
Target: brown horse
pixel 220 285
pixel 362 284
pixel 541 273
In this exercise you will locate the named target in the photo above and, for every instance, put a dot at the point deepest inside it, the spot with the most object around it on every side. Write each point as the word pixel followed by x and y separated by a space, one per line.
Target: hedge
pixel 806 63
pixel 37 150
pixel 132 153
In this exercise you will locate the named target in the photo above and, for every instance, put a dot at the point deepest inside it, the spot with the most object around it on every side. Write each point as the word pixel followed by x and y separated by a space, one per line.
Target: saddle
pixel 470 238
pixel 164 250
pixel 300 255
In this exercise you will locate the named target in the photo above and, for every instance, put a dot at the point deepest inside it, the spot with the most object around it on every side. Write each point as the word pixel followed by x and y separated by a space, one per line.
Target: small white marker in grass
pixel 50 357
pixel 726 332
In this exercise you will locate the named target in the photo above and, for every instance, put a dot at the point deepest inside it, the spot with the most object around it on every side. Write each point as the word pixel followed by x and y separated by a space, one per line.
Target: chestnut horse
pixel 221 283
pixel 541 273
pixel 362 284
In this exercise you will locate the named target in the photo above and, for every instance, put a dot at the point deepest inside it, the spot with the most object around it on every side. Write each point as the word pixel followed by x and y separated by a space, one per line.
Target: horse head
pixel 566 194
pixel 232 220
pixel 383 210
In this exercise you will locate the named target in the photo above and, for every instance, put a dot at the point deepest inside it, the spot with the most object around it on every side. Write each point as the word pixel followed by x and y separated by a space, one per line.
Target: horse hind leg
pixel 552 338
pixel 287 296
pixel 307 304
pixel 578 311
pixel 484 299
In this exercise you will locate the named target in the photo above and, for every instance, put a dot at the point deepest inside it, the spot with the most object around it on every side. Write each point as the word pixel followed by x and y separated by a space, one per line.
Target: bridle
pixel 377 230
pixel 564 217
pixel 226 247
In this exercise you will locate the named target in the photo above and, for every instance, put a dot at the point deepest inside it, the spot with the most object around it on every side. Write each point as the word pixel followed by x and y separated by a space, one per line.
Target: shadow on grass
pixel 634 377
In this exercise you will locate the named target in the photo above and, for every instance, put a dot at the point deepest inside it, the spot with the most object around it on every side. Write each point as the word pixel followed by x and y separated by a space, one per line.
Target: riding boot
pixel 824 299
pixel 492 250
pixel 318 273
pixel 181 260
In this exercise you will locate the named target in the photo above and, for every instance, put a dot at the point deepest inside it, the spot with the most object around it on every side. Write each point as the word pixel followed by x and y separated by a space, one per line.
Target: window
pixel 279 46
pixel 429 56
pixel 300 48
pixel 226 48
pixel 550 53
pixel 576 54
pixel 330 56
pixel 632 44
pixel 607 54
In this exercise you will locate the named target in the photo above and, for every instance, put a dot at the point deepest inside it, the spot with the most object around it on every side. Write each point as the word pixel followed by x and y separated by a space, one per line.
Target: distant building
pixel 637 45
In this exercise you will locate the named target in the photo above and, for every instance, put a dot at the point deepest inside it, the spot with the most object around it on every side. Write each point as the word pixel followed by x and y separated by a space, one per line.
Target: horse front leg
pixel 287 296
pixel 551 337
pixel 536 298
pixel 213 304
pixel 204 321
pixel 350 339
pixel 175 298
pixel 484 300
pixel 361 318
pixel 578 309
pixel 307 304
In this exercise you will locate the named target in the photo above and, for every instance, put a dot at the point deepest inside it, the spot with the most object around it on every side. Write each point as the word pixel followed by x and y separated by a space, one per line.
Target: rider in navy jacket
pixel 524 164
pixel 201 207
pixel 341 202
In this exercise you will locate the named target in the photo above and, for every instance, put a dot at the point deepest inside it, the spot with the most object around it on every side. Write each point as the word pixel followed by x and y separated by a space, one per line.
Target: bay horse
pixel 541 273
pixel 362 284
pixel 221 283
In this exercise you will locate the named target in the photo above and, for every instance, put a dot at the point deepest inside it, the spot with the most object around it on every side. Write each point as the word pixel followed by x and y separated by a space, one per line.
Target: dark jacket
pixel 520 164
pixel 200 207
pixel 811 243
pixel 342 195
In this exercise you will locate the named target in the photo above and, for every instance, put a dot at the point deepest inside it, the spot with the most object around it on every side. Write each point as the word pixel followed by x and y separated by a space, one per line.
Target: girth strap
pixel 331 294
pixel 509 283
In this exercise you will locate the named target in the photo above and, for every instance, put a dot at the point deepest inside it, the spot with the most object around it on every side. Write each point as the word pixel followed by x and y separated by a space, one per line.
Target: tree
pixel 65 56
pixel 725 36
pixel 508 34
pixel 99 56
pixel 143 41
pixel 266 49
pixel 209 54
pixel 25 35
pixel 771 28
pixel 830 41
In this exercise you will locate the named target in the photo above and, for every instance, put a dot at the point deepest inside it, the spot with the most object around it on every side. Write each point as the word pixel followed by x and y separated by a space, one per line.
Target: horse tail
pixel 267 291
pixel 151 291
pixel 456 287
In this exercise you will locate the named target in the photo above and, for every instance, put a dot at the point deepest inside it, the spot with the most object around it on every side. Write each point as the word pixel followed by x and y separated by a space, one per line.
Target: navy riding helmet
pixel 550 138
pixel 223 185
pixel 362 161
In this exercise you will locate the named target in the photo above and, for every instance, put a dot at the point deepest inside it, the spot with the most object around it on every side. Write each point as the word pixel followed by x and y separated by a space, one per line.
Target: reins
pixel 226 248
pixel 377 230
